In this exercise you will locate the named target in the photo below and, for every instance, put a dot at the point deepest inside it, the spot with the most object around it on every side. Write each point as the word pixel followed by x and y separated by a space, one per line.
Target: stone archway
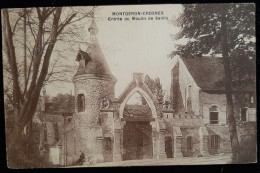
pixel 154 123
pixel 142 93
pixel 138 133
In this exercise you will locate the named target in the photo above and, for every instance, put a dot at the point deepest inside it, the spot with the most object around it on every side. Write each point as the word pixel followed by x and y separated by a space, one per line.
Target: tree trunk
pixel 228 89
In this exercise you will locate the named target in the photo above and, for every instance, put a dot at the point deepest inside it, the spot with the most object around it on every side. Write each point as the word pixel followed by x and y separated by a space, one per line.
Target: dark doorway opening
pixel 168 147
pixel 137 140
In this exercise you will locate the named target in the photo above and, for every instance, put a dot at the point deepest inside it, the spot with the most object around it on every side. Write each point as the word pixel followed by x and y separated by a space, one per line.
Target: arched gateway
pixel 138 129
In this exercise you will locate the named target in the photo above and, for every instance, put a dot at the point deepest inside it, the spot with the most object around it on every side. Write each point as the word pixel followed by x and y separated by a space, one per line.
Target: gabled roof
pixel 208 73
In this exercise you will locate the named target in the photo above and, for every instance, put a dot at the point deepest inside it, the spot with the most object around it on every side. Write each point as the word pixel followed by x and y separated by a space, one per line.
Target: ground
pixel 217 159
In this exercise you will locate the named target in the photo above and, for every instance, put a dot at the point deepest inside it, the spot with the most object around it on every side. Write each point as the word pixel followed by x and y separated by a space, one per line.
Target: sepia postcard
pixel 129 85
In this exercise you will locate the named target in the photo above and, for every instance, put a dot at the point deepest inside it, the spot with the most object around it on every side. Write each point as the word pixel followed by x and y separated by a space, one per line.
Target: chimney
pixel 138 78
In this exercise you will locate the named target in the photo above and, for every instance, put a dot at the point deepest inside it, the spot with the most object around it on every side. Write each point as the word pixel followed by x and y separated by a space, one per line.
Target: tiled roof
pixel 137 110
pixel 208 73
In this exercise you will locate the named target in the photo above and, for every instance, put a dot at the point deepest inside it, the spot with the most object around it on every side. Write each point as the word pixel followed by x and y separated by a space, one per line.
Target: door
pixel 168 147
pixel 137 141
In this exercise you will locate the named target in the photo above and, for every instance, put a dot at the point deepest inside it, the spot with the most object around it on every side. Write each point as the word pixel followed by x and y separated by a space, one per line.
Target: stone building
pixel 192 124
pixel 197 90
pixel 51 123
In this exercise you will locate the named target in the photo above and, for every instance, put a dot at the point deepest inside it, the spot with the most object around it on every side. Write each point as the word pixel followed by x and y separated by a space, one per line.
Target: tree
pixel 63 103
pixel 226 29
pixel 24 77
pixel 155 87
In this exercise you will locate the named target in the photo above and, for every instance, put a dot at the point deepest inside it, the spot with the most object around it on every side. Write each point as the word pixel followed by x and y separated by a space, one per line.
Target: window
pixel 247 99
pixel 45 138
pixel 189 142
pixel 107 144
pixel 56 132
pixel 215 140
pixel 189 90
pixel 69 120
pixel 213 115
pixel 81 102
pixel 189 104
pixel 99 121
pixel 74 139
pixel 252 99
pixel 243 114
pixel 45 135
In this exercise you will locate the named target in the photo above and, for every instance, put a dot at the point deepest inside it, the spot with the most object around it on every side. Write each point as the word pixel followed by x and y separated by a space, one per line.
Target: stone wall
pixel 185 80
pixel 195 140
pixel 175 92
pixel 209 99
pixel 86 127
pixel 94 91
pixel 70 155
pixel 223 132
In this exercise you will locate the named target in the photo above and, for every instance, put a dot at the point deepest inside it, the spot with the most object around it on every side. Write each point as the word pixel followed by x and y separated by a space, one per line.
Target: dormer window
pixel 83 58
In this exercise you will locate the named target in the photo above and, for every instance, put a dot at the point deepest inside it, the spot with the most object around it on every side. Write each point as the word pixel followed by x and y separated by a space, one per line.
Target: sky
pixel 132 46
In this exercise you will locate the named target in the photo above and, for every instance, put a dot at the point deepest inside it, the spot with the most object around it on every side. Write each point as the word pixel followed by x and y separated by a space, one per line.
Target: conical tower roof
pixel 95 61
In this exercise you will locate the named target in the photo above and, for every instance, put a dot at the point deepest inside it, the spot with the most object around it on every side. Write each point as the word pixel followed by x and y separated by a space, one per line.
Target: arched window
pixel 81 102
pixel 213 115
pixel 215 141
pixel 189 142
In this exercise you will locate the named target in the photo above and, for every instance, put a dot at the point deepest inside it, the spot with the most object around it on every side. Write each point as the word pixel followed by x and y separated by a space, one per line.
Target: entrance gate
pixel 137 140
pixel 141 135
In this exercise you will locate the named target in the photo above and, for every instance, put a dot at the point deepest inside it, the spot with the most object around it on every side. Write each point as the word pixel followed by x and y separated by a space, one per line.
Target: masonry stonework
pixel 103 130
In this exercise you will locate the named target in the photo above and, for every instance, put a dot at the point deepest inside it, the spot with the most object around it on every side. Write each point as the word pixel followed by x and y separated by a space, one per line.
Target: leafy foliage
pixel 229 30
pixel 155 87
pixel 63 103
pixel 201 26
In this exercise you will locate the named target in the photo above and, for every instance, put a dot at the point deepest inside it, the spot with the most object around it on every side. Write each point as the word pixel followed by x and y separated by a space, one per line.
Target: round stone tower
pixel 93 82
